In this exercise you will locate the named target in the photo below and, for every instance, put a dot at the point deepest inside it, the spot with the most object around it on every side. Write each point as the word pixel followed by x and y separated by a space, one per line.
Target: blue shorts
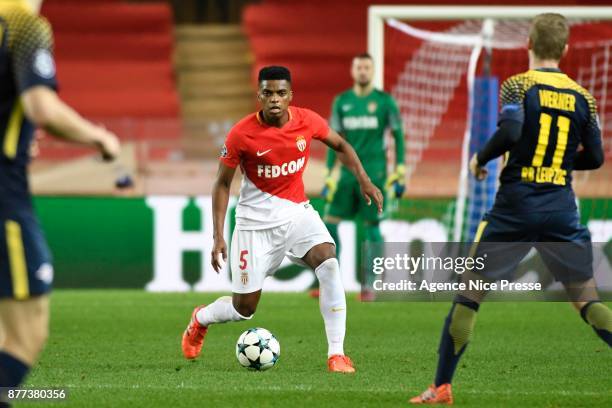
pixel 25 260
pixel 562 242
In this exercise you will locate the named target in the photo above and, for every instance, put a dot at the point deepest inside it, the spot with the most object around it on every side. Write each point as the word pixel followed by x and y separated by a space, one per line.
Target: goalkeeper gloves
pixel 330 187
pixel 396 182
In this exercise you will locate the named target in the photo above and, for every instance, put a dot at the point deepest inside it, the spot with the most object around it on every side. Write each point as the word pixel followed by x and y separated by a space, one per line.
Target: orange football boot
pixel 339 363
pixel 435 395
pixel 366 295
pixel 193 336
pixel 314 293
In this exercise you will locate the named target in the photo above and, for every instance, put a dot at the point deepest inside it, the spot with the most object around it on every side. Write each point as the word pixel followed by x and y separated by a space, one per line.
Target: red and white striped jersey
pixel 272 161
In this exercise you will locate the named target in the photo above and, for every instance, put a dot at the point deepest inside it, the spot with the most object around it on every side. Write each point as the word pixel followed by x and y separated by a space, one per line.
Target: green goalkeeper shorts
pixel 348 203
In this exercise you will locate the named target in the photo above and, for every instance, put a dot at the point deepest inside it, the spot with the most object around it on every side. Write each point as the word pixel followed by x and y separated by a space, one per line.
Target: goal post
pixel 449 75
pixel 378 14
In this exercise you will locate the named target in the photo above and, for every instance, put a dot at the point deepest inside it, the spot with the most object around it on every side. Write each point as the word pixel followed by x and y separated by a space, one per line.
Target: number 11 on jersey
pixel 563 125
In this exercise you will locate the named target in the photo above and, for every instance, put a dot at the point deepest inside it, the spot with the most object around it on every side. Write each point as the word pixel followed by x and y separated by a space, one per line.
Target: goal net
pixel 445 65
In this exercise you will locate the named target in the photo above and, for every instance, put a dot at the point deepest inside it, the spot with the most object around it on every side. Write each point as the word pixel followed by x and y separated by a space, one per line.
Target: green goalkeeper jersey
pixel 362 121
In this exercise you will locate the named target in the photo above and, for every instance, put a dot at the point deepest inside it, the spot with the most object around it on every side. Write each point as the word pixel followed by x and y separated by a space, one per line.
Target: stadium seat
pixel 115 58
pixel 114 63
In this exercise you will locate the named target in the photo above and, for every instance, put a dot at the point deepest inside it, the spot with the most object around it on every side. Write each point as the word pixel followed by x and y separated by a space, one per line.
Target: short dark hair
pixel 548 34
pixel 363 55
pixel 274 72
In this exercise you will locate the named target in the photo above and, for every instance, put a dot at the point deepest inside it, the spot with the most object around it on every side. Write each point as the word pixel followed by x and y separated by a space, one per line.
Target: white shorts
pixel 256 254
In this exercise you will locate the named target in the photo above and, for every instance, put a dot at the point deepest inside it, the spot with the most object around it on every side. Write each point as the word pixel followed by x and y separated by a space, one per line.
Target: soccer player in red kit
pixel 273 217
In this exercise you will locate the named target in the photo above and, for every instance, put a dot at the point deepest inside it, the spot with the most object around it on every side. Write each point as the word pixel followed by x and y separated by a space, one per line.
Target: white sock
pixel 332 303
pixel 219 311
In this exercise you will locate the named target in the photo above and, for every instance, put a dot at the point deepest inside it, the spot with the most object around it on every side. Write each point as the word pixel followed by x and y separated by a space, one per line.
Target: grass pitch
pixel 122 348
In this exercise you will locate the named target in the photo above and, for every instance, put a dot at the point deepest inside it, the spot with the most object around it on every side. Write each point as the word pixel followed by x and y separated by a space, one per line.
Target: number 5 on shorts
pixel 243 261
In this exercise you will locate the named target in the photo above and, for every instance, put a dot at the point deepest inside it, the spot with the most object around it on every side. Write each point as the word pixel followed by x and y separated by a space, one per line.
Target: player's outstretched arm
pixel 508 133
pixel 396 181
pixel 220 198
pixel 46 110
pixel 335 122
pixel 349 159
pixel 330 185
pixel 591 156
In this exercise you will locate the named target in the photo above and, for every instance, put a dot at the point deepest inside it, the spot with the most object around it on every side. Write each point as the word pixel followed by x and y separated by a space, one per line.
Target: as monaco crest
pixel 244 278
pixel 300 141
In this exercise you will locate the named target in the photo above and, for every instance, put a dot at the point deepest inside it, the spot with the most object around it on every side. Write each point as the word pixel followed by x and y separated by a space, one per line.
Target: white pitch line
pixel 361 389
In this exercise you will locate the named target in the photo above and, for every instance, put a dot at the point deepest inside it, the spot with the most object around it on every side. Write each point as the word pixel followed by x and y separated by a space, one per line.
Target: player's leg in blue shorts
pixel 565 246
pixel 25 260
pixel 566 249
pixel 503 239
pixel 506 238
pixel 25 280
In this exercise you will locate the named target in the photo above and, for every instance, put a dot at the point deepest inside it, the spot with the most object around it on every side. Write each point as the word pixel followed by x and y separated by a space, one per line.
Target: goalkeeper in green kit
pixel 361 115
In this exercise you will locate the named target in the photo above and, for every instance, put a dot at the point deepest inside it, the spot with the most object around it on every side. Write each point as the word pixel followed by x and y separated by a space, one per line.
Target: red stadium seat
pixel 145 104
pixel 114 63
pixel 76 75
pixel 119 47
pixel 70 16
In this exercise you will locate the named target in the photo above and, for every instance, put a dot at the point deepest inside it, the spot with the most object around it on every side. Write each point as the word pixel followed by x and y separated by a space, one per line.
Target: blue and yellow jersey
pixel 26 60
pixel 557 116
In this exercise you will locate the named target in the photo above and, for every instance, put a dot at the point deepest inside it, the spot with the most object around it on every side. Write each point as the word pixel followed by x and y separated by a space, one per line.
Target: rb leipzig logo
pixel 300 141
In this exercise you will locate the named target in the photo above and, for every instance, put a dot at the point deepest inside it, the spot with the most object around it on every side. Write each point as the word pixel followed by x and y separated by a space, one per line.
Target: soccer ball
pixel 257 349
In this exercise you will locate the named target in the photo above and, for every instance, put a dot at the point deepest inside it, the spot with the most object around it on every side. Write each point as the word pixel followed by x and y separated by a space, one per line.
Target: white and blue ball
pixel 257 349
